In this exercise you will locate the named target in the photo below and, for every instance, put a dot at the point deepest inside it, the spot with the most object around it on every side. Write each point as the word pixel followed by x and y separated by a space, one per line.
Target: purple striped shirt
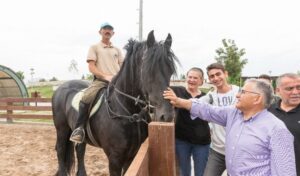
pixel 260 146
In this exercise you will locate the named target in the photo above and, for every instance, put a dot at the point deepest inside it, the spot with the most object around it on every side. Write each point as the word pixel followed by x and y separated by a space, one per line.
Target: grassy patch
pixel 38 121
pixel 45 91
pixel 205 90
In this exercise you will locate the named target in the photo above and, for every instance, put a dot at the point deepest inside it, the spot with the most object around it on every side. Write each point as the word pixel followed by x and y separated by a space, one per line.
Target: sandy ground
pixel 24 151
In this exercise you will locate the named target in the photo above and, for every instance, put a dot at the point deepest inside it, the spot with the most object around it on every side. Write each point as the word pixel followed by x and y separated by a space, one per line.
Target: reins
pixel 136 99
pixel 135 117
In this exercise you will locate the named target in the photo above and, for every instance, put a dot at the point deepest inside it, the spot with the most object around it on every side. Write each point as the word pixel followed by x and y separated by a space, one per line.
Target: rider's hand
pixel 108 77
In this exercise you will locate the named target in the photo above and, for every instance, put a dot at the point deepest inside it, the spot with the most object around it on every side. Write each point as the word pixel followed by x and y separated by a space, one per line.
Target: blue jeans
pixel 186 150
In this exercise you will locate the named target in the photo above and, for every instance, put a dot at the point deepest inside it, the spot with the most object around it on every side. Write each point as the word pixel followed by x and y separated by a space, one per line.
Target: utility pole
pixel 141 21
pixel 32 73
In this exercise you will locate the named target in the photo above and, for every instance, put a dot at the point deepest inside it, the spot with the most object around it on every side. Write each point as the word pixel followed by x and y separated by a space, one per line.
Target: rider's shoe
pixel 78 135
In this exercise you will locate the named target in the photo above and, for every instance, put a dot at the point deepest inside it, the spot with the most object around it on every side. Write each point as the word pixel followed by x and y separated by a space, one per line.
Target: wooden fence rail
pixel 25 108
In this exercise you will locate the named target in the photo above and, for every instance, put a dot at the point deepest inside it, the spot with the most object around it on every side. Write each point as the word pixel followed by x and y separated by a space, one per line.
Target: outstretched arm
pixel 169 94
pixel 199 110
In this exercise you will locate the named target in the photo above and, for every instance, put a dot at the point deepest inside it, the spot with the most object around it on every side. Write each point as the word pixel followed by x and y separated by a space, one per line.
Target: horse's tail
pixel 66 155
pixel 64 147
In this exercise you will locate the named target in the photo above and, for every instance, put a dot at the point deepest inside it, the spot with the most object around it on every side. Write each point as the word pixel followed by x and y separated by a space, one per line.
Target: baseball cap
pixel 106 25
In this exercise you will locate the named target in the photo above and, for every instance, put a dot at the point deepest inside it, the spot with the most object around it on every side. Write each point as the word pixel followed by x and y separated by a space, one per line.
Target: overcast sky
pixel 47 34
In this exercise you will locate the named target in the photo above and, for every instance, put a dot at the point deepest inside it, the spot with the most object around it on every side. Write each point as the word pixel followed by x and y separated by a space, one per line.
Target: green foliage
pixel 182 76
pixel 42 80
pixel 89 77
pixel 205 90
pixel 53 79
pixel 230 56
pixel 20 74
pixel 45 91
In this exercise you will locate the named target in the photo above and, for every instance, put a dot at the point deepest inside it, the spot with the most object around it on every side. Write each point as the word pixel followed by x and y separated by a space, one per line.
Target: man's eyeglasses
pixel 242 91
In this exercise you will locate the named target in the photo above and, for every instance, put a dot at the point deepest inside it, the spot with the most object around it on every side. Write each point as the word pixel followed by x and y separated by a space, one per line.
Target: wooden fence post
pixel 9 112
pixel 161 149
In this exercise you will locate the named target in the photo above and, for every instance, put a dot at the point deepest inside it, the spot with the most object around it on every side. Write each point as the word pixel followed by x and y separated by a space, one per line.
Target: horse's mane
pixel 132 59
pixel 144 65
pixel 156 60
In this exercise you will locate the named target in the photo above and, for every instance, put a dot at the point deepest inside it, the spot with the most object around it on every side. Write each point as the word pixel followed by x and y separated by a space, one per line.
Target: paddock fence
pixel 25 108
pixel 156 156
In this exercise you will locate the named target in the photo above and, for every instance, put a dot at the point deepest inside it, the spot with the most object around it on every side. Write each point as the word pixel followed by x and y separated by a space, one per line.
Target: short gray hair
pixel 265 89
pixel 196 69
pixel 286 75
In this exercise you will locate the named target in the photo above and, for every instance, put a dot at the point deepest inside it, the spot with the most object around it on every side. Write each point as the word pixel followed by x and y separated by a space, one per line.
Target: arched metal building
pixel 10 84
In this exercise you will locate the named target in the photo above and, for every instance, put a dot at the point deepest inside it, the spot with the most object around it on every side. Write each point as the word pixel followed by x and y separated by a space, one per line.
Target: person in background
pixel 257 143
pixel 192 136
pixel 288 108
pixel 224 94
pixel 104 61
pixel 265 77
pixel 268 79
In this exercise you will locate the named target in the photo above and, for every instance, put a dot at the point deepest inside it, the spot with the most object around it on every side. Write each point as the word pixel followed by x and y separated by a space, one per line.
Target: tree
pixel 230 56
pixel 182 76
pixel 73 66
pixel 42 80
pixel 20 74
pixel 89 77
pixel 53 79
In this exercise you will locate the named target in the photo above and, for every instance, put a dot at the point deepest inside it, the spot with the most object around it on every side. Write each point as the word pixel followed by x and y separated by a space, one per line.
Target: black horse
pixel 120 125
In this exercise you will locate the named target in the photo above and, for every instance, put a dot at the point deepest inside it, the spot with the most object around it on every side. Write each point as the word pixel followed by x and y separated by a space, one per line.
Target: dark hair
pixel 264 76
pixel 197 69
pixel 215 66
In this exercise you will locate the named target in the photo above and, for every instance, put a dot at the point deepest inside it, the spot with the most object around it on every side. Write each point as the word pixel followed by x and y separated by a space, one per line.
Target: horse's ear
pixel 150 39
pixel 168 42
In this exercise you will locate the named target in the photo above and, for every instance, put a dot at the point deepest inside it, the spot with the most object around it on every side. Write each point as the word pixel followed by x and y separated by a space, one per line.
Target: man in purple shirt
pixel 257 143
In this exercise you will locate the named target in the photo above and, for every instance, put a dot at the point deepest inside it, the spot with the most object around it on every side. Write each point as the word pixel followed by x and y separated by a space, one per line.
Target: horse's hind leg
pixel 80 151
pixel 65 151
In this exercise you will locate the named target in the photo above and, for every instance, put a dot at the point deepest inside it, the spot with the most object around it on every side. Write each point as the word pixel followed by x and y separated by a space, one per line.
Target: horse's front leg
pixel 80 151
pixel 116 163
pixel 126 165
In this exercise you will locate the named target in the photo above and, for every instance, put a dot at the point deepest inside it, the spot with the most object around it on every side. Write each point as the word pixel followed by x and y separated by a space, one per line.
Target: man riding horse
pixel 104 61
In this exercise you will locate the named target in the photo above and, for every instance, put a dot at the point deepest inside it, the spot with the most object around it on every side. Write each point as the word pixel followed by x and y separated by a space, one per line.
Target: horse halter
pixel 136 117
pixel 137 99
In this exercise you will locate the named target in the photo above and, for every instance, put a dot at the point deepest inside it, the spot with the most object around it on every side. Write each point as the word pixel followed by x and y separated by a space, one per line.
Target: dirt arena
pixel 28 150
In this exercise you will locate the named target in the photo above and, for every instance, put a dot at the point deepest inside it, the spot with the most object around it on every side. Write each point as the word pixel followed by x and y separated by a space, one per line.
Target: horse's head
pixel 158 66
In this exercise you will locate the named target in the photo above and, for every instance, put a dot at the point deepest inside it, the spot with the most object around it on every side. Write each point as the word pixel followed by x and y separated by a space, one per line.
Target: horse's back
pixel 62 100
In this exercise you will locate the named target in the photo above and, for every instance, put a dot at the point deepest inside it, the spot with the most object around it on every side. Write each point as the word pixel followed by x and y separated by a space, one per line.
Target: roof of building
pixel 10 84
